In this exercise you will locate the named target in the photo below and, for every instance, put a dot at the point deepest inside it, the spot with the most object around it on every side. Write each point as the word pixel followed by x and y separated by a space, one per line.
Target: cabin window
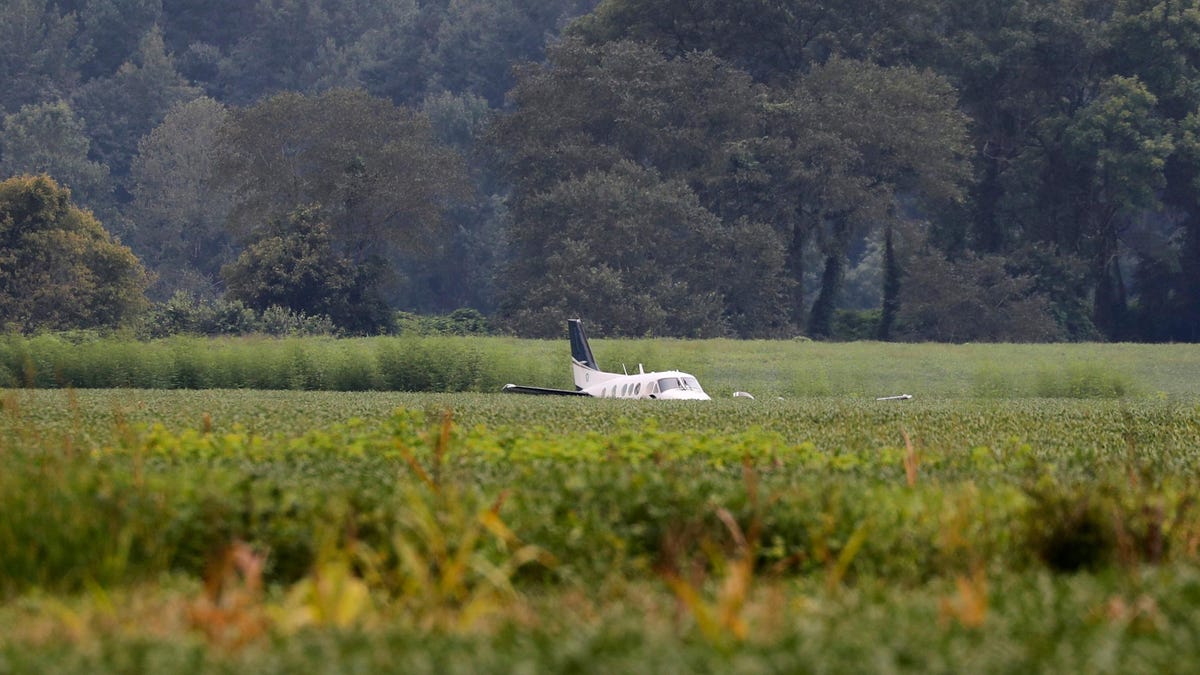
pixel 637 389
pixel 624 389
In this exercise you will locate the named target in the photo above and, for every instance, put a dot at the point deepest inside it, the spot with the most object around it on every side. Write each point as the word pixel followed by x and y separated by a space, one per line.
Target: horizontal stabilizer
pixel 541 391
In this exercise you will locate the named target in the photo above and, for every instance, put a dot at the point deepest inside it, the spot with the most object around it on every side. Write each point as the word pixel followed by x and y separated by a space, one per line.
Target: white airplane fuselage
pixel 666 385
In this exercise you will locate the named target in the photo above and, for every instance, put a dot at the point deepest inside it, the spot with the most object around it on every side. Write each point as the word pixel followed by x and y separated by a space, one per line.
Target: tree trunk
pixel 1109 305
pixel 891 286
pixel 1190 264
pixel 820 323
pixel 795 270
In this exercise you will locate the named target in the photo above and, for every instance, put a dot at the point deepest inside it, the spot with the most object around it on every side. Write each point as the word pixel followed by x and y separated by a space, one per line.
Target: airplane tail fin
pixel 583 363
pixel 581 351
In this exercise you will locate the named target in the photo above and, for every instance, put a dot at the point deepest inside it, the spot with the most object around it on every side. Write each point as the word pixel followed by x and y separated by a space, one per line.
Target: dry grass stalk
pixel 911 460
pixel 969 606
pixel 230 612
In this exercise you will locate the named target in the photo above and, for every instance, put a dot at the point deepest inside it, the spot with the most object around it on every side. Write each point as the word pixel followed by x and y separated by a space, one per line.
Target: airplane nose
pixel 684 395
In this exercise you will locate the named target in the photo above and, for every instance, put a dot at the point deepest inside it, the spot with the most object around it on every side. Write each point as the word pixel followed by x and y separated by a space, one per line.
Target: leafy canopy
pixel 59 268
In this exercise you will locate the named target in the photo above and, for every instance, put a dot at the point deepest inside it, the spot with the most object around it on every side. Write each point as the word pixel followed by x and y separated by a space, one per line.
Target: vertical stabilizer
pixel 581 351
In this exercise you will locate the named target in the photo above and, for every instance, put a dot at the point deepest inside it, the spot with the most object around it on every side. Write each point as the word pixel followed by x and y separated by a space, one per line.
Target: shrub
pixel 1070 531
pixel 186 314
pixel 850 325
pixel 1082 380
pixel 462 321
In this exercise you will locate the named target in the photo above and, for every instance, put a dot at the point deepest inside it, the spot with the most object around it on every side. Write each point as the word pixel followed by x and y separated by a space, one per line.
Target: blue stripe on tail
pixel 581 351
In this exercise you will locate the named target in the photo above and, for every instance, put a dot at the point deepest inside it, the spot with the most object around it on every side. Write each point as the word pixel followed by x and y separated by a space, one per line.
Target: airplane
pixel 591 381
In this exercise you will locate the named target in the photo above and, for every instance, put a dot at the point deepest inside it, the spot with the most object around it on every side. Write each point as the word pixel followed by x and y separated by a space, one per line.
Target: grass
pixel 1045 520
pixel 447 364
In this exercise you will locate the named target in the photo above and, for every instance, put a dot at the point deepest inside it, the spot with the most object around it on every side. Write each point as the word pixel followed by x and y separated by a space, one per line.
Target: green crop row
pixel 83 505
pixel 449 364
pixel 226 531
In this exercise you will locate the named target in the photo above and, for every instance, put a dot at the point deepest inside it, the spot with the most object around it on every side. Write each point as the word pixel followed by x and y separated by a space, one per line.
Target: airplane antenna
pixel 623 369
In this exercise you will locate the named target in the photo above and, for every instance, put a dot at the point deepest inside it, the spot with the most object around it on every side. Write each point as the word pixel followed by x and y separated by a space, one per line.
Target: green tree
pixel 1073 104
pixel 972 299
pixel 292 263
pixel 39 60
pixel 59 268
pixel 891 285
pixel 461 269
pixel 459 46
pixel 774 41
pixel 593 108
pixel 476 42
pixel 178 214
pixel 311 46
pixel 113 29
pixel 1120 147
pixel 121 109
pixel 1158 42
pixel 376 172
pixel 220 23
pixel 49 138
pixel 855 146
pixel 633 253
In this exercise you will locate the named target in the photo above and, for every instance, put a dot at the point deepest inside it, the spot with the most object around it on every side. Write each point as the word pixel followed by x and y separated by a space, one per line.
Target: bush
pixel 850 325
pixel 185 314
pixel 463 321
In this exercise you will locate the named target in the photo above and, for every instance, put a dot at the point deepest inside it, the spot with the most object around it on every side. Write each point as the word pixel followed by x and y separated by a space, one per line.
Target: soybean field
pixel 1031 507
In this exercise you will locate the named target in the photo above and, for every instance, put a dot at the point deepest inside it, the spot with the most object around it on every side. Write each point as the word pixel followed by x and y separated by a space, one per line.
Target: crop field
pixel 1031 508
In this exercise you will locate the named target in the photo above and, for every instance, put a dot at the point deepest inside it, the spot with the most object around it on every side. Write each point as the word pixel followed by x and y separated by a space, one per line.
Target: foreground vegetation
pixel 223 531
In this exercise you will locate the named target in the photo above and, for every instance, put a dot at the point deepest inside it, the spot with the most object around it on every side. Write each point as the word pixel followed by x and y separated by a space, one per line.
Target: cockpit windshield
pixel 686 382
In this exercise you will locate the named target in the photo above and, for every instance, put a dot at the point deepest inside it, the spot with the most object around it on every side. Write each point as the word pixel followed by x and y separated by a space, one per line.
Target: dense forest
pixel 958 170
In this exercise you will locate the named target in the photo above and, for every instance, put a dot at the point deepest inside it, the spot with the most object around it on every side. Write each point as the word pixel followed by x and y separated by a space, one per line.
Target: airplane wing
pixel 543 391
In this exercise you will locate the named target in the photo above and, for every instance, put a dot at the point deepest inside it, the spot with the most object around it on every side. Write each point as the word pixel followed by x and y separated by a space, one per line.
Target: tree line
pixel 963 170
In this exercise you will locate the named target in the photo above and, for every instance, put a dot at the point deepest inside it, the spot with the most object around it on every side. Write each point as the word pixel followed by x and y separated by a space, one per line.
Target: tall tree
pixel 458 46
pixel 59 268
pixel 476 43
pixel 380 179
pixel 49 138
pixel 461 270
pixel 852 139
pixel 306 46
pixel 292 263
pixel 178 214
pixel 1120 148
pixel 1014 64
pixel 113 29
pixel 592 108
pixel 633 253
pixel 120 109
pixel 39 60
pixel 1158 42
